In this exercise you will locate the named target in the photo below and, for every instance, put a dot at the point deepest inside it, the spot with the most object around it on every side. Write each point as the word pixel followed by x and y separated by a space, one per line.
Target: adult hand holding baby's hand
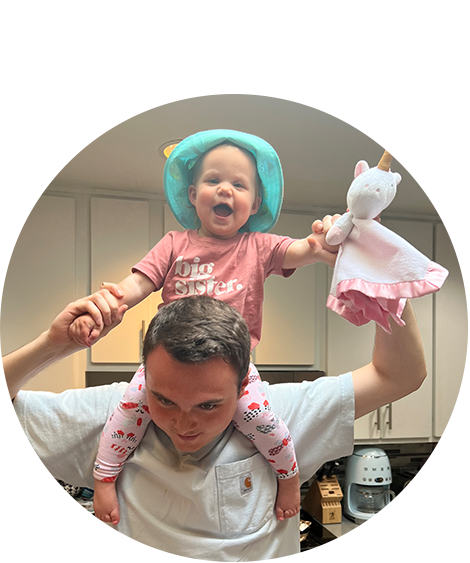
pixel 59 334
pixel 85 330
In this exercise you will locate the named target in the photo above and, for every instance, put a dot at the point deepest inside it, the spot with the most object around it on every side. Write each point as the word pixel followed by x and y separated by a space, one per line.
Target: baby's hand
pixel 318 253
pixel 321 227
pixel 85 331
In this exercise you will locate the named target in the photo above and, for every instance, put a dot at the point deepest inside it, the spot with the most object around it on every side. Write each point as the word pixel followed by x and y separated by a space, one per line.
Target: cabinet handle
pixel 390 416
pixel 377 423
pixel 142 339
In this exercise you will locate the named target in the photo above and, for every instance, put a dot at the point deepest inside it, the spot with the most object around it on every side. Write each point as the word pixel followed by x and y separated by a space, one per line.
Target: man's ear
pixel 244 384
pixel 255 206
pixel 192 194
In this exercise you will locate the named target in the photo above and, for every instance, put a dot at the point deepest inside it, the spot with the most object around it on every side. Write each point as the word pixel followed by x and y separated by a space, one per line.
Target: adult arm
pixel 56 343
pixel 397 368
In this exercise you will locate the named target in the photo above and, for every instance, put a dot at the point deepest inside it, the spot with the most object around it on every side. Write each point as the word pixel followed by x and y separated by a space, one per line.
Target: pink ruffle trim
pixel 359 309
pixel 361 301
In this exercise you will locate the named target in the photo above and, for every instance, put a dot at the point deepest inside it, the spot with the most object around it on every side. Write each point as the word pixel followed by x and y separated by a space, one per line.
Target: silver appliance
pixel 368 477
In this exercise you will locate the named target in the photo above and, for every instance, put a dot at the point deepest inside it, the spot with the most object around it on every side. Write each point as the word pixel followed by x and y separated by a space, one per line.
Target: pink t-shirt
pixel 233 270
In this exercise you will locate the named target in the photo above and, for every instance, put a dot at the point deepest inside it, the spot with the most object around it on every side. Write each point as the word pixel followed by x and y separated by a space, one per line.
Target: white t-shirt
pixel 215 504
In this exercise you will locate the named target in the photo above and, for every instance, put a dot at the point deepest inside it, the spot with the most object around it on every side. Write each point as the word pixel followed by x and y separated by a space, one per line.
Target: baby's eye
pixel 238 185
pixel 213 181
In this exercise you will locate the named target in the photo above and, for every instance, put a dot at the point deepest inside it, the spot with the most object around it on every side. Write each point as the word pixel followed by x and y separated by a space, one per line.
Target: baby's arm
pixel 313 248
pixel 131 291
pixel 134 289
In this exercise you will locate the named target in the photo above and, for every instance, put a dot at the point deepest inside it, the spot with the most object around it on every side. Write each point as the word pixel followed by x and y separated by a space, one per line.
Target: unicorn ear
pixel 361 167
pixel 397 177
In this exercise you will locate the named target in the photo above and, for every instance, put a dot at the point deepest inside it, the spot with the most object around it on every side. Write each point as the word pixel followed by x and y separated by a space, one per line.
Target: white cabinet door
pixel 288 334
pixel 119 239
pixel 451 333
pixel 39 283
pixel 411 417
pixel 350 347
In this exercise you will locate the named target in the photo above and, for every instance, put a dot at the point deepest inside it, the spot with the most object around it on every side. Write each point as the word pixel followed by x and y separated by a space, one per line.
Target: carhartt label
pixel 196 279
pixel 245 484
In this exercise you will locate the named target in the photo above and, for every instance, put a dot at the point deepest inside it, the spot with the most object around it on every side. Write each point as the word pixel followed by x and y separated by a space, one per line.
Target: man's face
pixel 191 403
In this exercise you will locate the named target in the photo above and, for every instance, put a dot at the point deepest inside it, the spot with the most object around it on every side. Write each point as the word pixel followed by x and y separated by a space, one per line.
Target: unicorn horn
pixel 386 159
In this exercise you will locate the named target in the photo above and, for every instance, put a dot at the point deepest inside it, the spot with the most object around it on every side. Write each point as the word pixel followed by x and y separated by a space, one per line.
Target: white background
pixel 439 528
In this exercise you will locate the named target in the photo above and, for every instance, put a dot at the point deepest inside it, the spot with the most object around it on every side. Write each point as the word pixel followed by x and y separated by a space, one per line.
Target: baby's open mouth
pixel 222 210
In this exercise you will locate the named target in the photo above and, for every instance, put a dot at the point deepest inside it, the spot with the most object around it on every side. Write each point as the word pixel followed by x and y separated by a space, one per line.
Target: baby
pixel 226 188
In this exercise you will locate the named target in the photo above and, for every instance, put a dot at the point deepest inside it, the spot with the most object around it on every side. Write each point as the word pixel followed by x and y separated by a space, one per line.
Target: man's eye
pixel 208 407
pixel 165 402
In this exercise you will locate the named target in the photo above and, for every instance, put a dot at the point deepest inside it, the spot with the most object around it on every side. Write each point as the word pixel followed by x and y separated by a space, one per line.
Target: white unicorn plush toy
pixel 376 270
pixel 372 190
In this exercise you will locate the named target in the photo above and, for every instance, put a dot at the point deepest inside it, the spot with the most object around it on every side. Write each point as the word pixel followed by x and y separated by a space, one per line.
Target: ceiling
pixel 110 142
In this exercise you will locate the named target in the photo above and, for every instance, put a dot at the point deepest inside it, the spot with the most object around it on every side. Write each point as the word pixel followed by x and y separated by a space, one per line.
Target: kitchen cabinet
pixel 294 308
pixel 120 237
pixel 350 347
pixel 451 333
pixel 39 283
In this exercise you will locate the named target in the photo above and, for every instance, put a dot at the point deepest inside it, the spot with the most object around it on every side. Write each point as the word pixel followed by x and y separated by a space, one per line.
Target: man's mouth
pixel 222 210
pixel 188 438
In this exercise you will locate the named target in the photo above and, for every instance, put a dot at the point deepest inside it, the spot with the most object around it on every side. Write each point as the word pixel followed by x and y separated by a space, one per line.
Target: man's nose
pixel 185 422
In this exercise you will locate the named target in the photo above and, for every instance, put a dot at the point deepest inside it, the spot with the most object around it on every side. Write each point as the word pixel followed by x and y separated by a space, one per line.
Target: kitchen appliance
pixel 368 477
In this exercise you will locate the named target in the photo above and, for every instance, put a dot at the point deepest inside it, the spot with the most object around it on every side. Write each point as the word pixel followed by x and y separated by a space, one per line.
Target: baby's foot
pixel 288 497
pixel 105 502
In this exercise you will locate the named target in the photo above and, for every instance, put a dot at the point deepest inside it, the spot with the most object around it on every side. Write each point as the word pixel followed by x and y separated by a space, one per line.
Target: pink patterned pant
pixel 253 418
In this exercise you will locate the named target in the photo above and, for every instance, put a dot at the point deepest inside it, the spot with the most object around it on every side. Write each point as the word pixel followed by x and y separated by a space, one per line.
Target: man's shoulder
pixel 64 428
pixel 325 393
pixel 82 403
pixel 320 417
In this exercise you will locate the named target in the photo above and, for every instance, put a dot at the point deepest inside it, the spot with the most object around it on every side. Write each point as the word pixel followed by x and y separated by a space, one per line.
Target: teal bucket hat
pixel 177 176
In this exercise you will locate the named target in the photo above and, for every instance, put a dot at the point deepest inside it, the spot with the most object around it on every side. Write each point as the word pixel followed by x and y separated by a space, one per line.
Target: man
pixel 195 486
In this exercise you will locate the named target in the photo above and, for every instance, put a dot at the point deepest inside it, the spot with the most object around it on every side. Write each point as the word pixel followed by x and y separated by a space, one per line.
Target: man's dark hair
pixel 197 328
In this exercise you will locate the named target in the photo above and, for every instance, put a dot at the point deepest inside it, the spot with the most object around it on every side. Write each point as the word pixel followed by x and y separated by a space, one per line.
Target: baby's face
pixel 224 193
